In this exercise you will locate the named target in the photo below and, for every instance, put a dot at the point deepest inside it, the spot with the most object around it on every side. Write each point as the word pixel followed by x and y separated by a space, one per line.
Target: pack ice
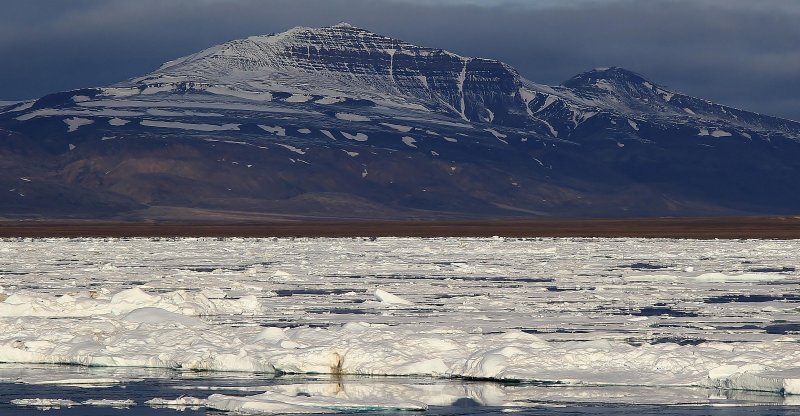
pixel 582 312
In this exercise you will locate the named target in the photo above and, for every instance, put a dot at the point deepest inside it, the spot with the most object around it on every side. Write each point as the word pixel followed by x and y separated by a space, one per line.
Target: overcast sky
pixel 735 52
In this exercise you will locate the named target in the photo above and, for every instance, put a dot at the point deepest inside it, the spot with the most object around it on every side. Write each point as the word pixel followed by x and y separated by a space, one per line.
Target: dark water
pixel 202 385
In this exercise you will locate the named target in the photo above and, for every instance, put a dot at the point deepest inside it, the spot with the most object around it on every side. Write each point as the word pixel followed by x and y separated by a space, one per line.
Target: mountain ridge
pixel 341 122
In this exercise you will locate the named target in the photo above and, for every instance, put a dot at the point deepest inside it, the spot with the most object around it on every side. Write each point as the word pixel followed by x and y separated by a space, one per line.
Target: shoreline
pixel 777 227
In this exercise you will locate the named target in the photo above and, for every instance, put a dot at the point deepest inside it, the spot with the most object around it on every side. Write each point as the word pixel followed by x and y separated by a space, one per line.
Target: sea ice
pixel 579 312
pixel 389 298
pixel 45 404
pixel 117 404
pixel 271 402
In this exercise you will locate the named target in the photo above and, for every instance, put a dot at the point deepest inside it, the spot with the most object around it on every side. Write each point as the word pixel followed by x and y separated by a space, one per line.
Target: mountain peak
pixel 612 74
pixel 297 48
pixel 340 121
pixel 344 25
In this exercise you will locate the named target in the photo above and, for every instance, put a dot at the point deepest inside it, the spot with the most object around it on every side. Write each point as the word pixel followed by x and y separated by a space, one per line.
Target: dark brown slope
pixel 695 228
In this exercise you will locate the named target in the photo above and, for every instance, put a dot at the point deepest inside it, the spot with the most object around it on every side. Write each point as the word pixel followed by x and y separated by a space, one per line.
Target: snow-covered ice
pixel 273 402
pixel 585 313
pixel 45 404
pixel 109 403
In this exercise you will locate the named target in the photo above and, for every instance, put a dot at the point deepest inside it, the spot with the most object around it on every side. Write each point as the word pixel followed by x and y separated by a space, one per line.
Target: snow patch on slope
pixel 498 135
pixel 74 123
pixel 292 148
pixel 189 126
pixel 409 141
pixel 398 127
pixel 715 133
pixel 352 117
pixel 359 137
pixel 276 130
pixel 298 98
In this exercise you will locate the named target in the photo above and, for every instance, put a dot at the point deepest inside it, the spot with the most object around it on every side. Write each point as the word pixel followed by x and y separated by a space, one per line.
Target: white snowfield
pixel 580 312
pixel 74 123
pixel 189 126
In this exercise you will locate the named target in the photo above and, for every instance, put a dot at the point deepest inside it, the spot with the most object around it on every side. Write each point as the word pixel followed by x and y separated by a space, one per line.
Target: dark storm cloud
pixel 745 54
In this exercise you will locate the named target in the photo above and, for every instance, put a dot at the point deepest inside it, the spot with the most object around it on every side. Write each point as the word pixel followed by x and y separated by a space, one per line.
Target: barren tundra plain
pixel 385 324
pixel 769 227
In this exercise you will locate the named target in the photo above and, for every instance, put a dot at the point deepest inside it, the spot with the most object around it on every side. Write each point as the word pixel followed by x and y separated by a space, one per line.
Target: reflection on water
pixel 82 385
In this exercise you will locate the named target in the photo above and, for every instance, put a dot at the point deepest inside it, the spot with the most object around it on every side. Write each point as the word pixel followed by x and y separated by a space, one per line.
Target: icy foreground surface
pixel 722 315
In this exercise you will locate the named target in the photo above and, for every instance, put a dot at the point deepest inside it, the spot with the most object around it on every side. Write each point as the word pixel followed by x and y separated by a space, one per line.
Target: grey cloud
pixel 736 52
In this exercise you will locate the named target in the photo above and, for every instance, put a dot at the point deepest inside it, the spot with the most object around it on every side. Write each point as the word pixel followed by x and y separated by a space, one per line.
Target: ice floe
pixel 577 312
pixel 116 404
pixel 45 404
pixel 91 303
pixel 272 402
pixel 389 298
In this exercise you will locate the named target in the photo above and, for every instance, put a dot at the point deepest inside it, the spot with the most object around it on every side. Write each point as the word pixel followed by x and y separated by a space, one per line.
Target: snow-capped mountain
pixel 342 122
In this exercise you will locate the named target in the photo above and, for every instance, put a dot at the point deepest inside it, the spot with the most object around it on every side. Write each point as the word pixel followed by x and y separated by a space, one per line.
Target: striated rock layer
pixel 342 122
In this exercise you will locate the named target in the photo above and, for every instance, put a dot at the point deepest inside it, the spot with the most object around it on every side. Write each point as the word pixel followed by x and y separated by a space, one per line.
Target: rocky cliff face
pixel 342 122
pixel 347 61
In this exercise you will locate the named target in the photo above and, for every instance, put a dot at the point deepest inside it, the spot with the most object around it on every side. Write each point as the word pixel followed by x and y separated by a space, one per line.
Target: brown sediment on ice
pixel 783 227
